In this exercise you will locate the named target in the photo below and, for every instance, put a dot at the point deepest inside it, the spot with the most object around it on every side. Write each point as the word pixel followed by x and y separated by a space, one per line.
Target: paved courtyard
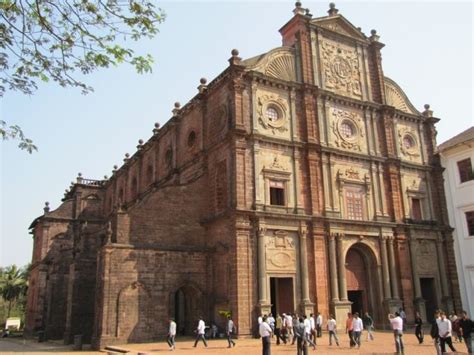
pixel 383 344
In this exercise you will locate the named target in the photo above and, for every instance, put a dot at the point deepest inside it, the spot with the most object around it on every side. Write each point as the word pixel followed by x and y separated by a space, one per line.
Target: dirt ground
pixel 383 344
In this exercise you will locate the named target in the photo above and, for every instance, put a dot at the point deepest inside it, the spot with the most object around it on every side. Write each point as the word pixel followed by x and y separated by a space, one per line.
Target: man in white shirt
pixel 332 326
pixel 319 325
pixel 307 332
pixel 397 326
pixel 313 327
pixel 357 328
pixel 265 332
pixel 171 334
pixel 445 328
pixel 229 330
pixel 289 327
pixel 200 332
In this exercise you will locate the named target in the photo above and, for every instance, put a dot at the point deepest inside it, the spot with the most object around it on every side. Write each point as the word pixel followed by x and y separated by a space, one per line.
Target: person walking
pixel 265 333
pixel 397 327
pixel 295 324
pixel 278 329
pixel 271 322
pixel 313 327
pixel 368 325
pixel 301 340
pixel 445 329
pixel 332 330
pixel 419 328
pixel 403 316
pixel 466 325
pixel 307 332
pixel 319 325
pixel 201 328
pixel 357 327
pixel 434 332
pixel 230 329
pixel 349 330
pixel 170 339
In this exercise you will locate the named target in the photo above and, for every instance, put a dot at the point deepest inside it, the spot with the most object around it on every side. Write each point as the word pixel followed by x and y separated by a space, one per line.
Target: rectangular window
pixel 470 222
pixel 465 170
pixel 277 193
pixel 416 209
pixel 354 205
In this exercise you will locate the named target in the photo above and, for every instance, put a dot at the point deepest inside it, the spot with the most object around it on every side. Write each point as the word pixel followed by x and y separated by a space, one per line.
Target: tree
pixel 55 40
pixel 13 284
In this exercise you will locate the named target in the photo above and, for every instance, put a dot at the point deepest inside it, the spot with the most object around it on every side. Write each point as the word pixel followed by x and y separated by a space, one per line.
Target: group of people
pixel 442 331
pixel 304 330
pixel 200 333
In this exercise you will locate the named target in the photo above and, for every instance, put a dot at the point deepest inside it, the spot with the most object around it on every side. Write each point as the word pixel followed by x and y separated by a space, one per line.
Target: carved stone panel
pixel 341 68
pixel 280 251
pixel 273 114
pixel 347 129
pixel 409 142
pixel 426 258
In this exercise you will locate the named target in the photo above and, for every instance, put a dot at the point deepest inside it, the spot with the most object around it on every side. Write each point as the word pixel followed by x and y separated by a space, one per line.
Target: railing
pixel 90 182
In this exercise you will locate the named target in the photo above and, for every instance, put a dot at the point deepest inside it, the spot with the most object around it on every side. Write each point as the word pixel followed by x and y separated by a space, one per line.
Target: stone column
pixel 385 274
pixel 262 289
pixel 304 265
pixel 419 301
pixel 342 268
pixel 442 268
pixel 392 268
pixel 333 267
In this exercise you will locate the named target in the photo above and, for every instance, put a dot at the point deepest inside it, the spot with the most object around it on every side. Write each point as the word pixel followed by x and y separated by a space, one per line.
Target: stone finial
pixel 140 144
pixel 177 108
pixel 235 59
pixel 332 9
pixel 427 112
pixel 202 85
pixel 298 10
pixel 374 37
pixel 115 169
pixel 308 13
pixel 79 178
pixel 106 177
pixel 46 207
pixel 127 156
pixel 157 128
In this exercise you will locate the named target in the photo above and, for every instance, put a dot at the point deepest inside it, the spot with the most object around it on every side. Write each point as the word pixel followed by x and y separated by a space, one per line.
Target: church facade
pixel 301 180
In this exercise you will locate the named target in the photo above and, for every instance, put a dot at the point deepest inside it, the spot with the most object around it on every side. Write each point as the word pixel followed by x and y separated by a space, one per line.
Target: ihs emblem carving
pixel 341 69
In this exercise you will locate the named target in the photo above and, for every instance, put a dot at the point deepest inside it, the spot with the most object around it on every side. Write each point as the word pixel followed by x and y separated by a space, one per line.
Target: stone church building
pixel 301 180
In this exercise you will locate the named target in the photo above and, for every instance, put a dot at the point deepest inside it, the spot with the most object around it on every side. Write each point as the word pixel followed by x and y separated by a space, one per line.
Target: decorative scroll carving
pixel 395 97
pixel 341 69
pixel 352 174
pixel 282 67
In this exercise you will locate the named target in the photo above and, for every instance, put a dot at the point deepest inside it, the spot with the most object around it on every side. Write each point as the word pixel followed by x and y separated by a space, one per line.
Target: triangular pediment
pixel 339 24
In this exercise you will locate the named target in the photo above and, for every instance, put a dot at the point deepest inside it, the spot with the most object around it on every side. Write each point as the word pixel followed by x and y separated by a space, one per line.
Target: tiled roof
pixel 462 137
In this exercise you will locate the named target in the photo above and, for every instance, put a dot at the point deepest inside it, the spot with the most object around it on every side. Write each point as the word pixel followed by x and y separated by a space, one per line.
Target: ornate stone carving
pixel 395 97
pixel 341 69
pixel 274 124
pixel 408 142
pixel 347 127
pixel 276 165
pixel 280 251
pixel 282 67
pixel 352 174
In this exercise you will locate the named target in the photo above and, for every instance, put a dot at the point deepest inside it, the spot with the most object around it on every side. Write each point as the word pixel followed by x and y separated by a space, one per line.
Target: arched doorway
pixel 362 277
pixel 186 306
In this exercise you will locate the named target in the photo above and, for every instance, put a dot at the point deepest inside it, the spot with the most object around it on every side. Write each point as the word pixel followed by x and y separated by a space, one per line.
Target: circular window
pixel 408 142
pixel 272 114
pixel 347 129
pixel 191 139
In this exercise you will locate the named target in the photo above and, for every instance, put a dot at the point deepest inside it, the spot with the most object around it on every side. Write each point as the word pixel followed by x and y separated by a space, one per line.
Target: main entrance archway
pixel 362 277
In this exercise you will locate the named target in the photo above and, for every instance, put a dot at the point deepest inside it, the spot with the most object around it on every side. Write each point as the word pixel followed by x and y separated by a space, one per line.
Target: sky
pixel 428 52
